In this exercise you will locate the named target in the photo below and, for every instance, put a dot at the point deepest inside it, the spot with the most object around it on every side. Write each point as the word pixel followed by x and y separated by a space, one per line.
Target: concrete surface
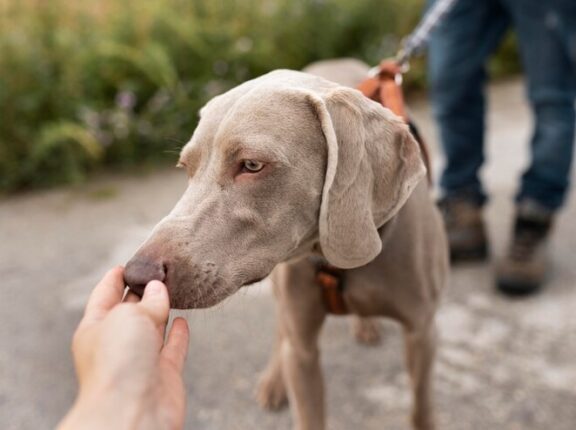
pixel 503 364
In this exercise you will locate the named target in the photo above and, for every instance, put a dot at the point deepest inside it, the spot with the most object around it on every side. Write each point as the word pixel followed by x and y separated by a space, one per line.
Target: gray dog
pixel 286 166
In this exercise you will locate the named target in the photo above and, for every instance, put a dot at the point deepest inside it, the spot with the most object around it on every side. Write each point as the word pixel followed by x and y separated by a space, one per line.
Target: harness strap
pixel 331 281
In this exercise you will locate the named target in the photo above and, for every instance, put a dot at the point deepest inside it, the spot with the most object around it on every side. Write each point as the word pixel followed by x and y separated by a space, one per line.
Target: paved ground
pixel 503 365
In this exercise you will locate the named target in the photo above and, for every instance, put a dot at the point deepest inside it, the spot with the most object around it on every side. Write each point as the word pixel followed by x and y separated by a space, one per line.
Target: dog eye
pixel 252 166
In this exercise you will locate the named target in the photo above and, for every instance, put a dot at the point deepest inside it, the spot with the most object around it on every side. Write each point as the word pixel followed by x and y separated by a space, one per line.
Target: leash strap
pixel 415 42
pixel 384 85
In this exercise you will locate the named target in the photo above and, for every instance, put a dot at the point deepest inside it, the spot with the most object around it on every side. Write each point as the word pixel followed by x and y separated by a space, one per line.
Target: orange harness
pixel 385 87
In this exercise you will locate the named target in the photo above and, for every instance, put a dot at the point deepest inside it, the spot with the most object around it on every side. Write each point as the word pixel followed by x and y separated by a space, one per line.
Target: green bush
pixel 119 83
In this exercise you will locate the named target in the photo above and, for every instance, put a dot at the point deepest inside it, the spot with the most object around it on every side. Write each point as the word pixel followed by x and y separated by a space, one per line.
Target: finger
pixel 131 297
pixel 176 348
pixel 107 294
pixel 155 302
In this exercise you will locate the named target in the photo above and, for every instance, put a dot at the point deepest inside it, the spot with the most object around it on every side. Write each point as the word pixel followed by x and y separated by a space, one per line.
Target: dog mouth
pixel 138 289
pixel 253 281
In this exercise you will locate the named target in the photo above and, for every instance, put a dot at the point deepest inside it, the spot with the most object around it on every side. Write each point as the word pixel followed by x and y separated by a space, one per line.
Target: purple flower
pixel 126 100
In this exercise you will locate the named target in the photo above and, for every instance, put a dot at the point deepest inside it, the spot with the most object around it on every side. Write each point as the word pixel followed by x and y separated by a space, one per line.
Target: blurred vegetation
pixel 119 83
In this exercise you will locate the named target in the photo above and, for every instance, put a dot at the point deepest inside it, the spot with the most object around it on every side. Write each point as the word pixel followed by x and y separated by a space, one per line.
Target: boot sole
pixel 517 289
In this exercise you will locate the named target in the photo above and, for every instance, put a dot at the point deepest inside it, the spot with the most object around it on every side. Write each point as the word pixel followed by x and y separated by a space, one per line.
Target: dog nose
pixel 140 270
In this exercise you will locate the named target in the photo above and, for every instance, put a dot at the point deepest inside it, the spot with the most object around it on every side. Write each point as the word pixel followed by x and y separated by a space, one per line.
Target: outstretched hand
pixel 128 376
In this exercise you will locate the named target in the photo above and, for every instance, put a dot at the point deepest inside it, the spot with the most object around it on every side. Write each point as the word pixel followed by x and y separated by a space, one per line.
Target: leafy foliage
pixel 117 83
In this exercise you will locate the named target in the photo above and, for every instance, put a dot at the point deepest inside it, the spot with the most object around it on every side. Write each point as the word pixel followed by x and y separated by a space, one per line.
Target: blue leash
pixel 417 40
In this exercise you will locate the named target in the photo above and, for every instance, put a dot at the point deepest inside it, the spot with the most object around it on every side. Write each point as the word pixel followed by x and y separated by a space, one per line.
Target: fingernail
pixel 153 288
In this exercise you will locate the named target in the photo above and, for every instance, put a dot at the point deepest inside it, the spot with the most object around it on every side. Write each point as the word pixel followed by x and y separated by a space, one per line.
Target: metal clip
pixel 403 62
pixel 374 72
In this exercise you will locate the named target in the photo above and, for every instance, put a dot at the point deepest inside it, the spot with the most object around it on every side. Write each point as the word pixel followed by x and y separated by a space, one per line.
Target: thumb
pixel 155 302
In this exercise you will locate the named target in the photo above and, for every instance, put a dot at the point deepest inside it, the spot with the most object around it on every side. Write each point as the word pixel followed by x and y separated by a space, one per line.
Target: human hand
pixel 128 377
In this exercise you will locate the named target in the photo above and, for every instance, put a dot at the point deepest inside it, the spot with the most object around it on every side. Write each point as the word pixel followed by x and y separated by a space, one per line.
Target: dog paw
pixel 271 392
pixel 366 331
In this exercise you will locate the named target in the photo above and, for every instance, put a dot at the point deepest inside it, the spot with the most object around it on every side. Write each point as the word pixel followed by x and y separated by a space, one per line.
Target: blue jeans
pixel 458 53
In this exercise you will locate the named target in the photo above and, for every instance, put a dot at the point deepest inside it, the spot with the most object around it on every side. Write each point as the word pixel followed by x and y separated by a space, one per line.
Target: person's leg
pixel 544 38
pixel 545 32
pixel 458 52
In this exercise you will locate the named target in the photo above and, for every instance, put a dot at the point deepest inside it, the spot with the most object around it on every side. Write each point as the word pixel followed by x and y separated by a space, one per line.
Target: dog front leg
pixel 302 314
pixel 302 373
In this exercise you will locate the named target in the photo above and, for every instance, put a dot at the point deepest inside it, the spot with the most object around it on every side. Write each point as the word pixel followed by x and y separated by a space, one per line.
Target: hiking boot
pixel 465 229
pixel 524 269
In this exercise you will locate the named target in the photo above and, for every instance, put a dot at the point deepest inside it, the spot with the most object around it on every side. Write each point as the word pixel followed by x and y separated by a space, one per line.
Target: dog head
pixel 276 166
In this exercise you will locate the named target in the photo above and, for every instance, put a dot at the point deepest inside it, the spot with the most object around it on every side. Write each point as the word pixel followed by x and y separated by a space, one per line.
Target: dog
pixel 290 165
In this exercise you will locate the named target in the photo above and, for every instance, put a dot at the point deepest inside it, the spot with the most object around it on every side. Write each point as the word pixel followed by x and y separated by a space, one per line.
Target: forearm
pixel 99 409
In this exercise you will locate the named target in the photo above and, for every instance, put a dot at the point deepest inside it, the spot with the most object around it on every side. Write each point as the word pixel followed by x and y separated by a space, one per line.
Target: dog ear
pixel 373 166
